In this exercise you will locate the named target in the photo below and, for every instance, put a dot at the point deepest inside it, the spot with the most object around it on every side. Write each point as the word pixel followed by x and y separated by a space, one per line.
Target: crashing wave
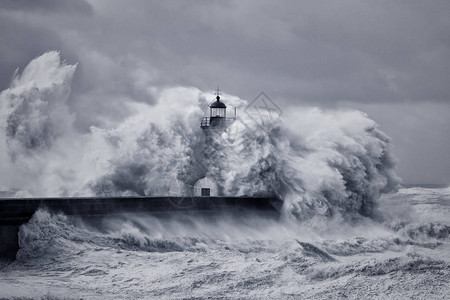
pixel 50 235
pixel 35 106
pixel 320 163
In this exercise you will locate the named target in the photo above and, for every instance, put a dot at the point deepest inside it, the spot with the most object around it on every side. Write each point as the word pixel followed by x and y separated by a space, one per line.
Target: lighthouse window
pixel 206 192
pixel 218 112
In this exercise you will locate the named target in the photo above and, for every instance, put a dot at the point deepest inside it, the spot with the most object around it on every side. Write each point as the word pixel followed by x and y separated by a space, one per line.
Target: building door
pixel 206 192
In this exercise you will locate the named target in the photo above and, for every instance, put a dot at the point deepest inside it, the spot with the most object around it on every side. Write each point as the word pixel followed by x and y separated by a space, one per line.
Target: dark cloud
pixel 358 51
pixel 48 6
pixel 355 51
pixel 21 43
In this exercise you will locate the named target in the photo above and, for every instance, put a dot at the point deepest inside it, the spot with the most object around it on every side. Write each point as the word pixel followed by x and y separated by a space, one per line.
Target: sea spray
pixel 35 106
pixel 34 123
pixel 320 163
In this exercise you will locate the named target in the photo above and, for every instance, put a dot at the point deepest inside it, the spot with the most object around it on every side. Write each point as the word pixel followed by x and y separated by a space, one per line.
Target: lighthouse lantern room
pixel 217 116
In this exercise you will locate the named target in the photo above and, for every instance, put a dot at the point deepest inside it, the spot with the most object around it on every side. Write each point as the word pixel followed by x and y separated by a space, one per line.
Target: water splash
pixel 35 106
pixel 320 163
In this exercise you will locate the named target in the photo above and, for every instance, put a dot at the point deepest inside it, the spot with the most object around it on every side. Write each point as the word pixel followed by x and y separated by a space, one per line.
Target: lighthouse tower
pixel 216 115
pixel 213 123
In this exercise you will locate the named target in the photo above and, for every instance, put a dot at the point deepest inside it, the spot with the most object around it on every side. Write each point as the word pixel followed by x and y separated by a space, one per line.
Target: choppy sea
pixel 403 254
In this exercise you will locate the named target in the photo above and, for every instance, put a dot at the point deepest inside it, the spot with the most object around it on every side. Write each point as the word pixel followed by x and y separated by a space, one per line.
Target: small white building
pixel 205 187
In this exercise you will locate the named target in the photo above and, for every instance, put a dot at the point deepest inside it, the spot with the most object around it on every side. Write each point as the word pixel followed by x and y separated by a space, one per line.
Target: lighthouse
pixel 216 115
pixel 213 123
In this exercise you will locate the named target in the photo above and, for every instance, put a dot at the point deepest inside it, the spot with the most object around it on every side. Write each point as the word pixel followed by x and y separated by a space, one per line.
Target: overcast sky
pixel 390 59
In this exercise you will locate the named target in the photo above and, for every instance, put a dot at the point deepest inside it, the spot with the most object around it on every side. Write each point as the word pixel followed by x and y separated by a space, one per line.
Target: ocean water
pixel 402 253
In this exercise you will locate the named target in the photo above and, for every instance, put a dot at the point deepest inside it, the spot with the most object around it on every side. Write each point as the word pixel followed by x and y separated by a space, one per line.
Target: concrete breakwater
pixel 16 211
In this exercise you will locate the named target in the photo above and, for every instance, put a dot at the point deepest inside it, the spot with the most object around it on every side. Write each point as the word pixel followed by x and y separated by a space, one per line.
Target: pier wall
pixel 15 211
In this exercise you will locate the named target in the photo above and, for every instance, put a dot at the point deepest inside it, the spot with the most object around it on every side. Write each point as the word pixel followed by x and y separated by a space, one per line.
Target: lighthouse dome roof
pixel 218 103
